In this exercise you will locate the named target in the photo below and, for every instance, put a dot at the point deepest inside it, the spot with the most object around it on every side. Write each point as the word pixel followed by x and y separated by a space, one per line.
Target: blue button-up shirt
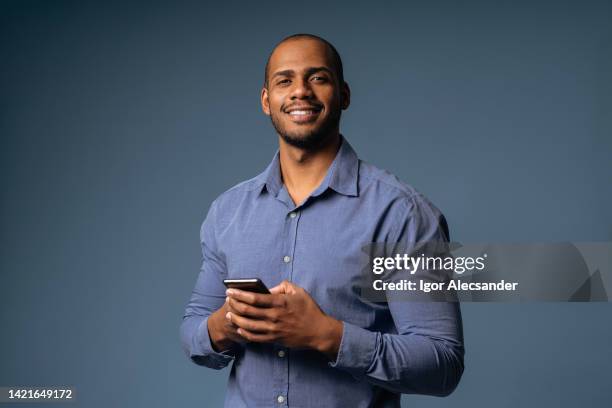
pixel 255 230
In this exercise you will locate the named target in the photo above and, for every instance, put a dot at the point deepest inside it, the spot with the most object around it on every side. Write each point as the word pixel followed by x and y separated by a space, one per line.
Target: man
pixel 300 225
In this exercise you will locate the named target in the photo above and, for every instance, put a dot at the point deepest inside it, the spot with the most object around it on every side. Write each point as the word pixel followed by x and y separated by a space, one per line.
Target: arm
pixel 203 331
pixel 424 357
pixel 426 354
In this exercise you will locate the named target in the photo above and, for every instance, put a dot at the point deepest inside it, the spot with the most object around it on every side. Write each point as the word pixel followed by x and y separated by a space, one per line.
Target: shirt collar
pixel 342 175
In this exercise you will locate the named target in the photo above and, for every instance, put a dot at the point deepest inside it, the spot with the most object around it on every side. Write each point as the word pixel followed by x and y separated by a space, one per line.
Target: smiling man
pixel 299 226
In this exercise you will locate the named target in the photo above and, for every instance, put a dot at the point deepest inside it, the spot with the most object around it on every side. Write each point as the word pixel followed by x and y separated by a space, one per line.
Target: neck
pixel 304 170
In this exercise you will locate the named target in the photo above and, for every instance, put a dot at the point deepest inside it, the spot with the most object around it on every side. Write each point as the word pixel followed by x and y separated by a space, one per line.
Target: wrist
pixel 329 338
pixel 218 339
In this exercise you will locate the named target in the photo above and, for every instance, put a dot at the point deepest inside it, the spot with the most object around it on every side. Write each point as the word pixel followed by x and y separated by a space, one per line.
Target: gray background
pixel 120 123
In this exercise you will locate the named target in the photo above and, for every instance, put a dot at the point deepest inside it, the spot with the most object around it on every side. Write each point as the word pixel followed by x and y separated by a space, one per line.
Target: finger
pixel 232 333
pixel 285 287
pixel 255 299
pixel 278 289
pixel 258 326
pixel 256 337
pixel 244 309
pixel 281 287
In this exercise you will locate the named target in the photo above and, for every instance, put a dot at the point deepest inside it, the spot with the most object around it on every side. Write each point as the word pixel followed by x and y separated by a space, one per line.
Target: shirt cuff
pixel 357 350
pixel 202 352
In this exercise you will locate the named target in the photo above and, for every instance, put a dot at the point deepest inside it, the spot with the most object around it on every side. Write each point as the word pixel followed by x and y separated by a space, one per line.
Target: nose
pixel 301 89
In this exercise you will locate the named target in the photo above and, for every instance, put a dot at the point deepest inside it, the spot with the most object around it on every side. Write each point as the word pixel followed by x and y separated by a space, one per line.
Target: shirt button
pixel 287 259
pixel 292 214
pixel 281 353
pixel 280 399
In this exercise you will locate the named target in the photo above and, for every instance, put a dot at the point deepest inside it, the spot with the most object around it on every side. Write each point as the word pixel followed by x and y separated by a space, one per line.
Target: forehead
pixel 300 54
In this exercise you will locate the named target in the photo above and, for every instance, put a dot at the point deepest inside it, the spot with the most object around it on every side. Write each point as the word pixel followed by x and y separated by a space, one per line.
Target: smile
pixel 303 112
pixel 304 115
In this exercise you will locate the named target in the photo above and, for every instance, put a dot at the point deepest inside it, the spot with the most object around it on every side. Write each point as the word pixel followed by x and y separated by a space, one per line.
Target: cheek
pixel 330 98
pixel 275 101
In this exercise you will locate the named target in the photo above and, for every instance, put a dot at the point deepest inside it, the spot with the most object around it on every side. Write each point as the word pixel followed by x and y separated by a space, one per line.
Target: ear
pixel 345 96
pixel 265 102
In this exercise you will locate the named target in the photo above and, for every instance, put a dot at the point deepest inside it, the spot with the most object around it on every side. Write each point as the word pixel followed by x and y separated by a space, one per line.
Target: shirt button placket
pixel 288 261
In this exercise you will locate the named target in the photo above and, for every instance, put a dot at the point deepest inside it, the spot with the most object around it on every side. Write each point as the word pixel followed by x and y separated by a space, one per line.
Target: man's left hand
pixel 288 315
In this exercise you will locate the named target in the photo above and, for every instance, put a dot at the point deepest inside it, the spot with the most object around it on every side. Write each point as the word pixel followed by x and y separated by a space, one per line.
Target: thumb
pixel 283 287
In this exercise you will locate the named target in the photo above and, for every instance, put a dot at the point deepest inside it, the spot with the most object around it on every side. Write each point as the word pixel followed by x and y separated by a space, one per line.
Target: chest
pixel 318 247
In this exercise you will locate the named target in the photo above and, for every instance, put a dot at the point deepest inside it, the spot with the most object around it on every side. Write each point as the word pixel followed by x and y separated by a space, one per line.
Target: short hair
pixel 336 60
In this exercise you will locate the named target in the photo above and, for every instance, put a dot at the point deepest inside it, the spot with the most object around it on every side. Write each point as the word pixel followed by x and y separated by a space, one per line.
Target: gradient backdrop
pixel 120 123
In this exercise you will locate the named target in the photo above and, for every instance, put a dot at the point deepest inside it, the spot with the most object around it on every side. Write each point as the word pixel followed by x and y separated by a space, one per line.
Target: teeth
pixel 301 112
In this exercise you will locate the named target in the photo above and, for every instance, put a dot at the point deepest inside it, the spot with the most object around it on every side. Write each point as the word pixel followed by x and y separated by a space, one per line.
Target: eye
pixel 283 82
pixel 319 78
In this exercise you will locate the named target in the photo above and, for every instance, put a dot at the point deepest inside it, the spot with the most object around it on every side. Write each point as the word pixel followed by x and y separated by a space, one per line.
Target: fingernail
pixel 228 316
pixel 229 292
pixel 226 299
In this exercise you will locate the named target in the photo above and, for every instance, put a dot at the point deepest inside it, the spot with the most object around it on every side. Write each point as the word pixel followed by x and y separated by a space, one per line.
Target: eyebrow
pixel 309 71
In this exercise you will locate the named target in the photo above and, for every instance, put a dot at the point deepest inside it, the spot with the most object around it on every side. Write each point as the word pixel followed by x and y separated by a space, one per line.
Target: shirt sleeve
pixel 207 296
pixel 425 356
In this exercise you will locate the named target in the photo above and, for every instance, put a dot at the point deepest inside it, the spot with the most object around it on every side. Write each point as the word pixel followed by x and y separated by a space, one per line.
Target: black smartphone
pixel 251 285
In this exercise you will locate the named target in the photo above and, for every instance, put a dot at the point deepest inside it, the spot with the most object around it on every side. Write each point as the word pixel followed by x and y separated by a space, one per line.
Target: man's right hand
pixel 221 331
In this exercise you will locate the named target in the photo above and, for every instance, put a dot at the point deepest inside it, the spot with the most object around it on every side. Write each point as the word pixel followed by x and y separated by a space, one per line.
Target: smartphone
pixel 251 285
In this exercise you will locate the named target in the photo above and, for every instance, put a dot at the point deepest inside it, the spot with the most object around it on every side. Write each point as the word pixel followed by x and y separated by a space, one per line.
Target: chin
pixel 311 140
pixel 304 136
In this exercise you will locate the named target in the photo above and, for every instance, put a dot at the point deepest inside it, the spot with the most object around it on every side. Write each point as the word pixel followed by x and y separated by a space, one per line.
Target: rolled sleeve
pixel 202 352
pixel 357 349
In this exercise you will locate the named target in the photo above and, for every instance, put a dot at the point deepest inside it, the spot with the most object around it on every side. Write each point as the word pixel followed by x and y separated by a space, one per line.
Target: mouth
pixel 304 114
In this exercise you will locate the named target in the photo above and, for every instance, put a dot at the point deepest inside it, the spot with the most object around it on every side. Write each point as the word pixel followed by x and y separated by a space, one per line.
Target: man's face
pixel 303 97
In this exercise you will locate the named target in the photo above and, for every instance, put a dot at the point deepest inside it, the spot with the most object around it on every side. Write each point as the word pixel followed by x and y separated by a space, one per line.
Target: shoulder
pixel 228 203
pixel 389 186
pixel 240 190
pixel 400 200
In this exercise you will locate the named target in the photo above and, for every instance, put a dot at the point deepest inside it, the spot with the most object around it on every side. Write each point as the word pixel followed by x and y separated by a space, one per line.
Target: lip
pixel 303 113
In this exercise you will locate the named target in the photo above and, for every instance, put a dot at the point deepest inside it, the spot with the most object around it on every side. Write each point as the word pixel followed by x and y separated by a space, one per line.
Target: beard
pixel 311 139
